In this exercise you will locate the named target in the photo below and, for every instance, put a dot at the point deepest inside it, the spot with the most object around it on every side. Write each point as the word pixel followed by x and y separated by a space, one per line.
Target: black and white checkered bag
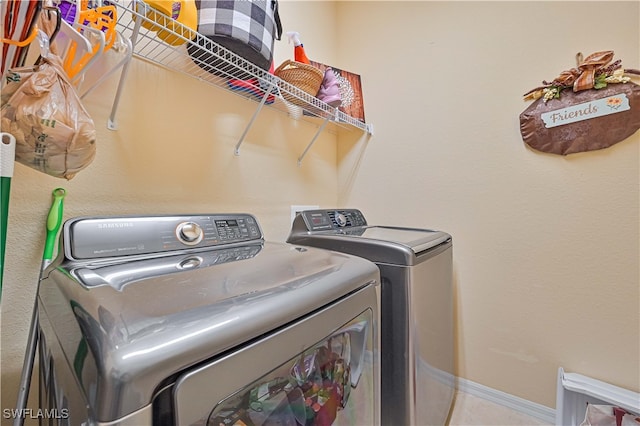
pixel 247 28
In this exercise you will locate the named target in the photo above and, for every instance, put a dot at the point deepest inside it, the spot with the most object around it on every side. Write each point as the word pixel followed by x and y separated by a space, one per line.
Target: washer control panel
pixel 325 220
pixel 107 237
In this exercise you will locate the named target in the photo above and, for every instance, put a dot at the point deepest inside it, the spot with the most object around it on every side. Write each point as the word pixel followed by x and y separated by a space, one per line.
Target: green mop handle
pixel 54 221
pixel 5 188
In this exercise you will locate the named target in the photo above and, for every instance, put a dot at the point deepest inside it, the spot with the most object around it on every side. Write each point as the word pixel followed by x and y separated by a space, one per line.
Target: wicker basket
pixel 303 76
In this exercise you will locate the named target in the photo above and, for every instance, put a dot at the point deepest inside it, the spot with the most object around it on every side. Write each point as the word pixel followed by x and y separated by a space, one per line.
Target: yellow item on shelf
pixel 166 13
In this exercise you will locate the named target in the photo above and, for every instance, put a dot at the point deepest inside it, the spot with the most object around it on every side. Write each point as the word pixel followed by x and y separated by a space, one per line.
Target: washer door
pixel 322 369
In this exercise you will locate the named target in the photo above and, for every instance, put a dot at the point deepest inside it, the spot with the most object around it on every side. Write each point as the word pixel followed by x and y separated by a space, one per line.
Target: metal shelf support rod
pixel 253 118
pixel 111 124
pixel 320 129
pixel 124 60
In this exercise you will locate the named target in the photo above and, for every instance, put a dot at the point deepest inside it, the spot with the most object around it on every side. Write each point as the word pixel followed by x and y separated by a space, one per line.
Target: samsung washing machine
pixel 418 382
pixel 196 320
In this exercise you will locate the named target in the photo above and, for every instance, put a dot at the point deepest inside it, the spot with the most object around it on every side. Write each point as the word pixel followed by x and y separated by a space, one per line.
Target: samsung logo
pixel 115 225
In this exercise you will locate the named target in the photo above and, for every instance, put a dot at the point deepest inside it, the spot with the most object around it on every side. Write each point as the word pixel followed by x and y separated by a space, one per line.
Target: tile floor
pixel 471 410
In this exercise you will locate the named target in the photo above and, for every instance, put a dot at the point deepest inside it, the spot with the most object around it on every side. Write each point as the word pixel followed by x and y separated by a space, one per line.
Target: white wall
pixel 545 247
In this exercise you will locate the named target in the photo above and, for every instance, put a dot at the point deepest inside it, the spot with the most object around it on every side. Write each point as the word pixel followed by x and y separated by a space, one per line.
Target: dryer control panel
pixel 108 237
pixel 326 220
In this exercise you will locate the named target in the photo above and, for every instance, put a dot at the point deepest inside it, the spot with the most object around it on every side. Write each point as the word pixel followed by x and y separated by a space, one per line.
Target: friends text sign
pixel 586 111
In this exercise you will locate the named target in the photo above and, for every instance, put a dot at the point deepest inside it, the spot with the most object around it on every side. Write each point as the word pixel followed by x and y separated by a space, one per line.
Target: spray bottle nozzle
pixel 294 37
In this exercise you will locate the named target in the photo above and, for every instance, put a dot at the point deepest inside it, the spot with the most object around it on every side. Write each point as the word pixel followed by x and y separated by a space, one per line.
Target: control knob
pixel 189 233
pixel 341 219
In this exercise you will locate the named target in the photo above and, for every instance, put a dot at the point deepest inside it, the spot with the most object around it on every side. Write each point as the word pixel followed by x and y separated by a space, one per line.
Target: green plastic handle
pixel 54 221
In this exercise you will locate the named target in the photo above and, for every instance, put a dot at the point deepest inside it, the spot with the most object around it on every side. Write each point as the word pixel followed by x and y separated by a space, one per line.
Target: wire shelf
pixel 175 47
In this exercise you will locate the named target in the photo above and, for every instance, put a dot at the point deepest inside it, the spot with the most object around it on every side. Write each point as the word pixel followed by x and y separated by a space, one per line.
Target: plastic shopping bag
pixel 54 132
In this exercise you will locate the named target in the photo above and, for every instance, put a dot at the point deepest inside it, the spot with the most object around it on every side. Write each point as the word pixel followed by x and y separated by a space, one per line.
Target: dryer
pixel 418 382
pixel 196 320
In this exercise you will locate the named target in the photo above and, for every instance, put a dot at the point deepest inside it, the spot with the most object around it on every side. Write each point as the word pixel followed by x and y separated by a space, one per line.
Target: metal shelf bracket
pixel 111 123
pixel 267 93
pixel 320 129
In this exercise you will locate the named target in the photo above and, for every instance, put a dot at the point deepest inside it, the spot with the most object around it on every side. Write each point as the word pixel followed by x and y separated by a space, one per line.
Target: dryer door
pixel 321 370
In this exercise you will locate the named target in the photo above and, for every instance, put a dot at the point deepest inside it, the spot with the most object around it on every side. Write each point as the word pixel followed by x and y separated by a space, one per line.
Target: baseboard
pixel 538 411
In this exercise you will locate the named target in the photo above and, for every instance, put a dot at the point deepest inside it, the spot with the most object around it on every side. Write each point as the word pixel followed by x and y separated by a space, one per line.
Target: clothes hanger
pixel 45 21
pixel 79 52
pixel 19 22
pixel 100 17
pixel 24 42
pixel 98 22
